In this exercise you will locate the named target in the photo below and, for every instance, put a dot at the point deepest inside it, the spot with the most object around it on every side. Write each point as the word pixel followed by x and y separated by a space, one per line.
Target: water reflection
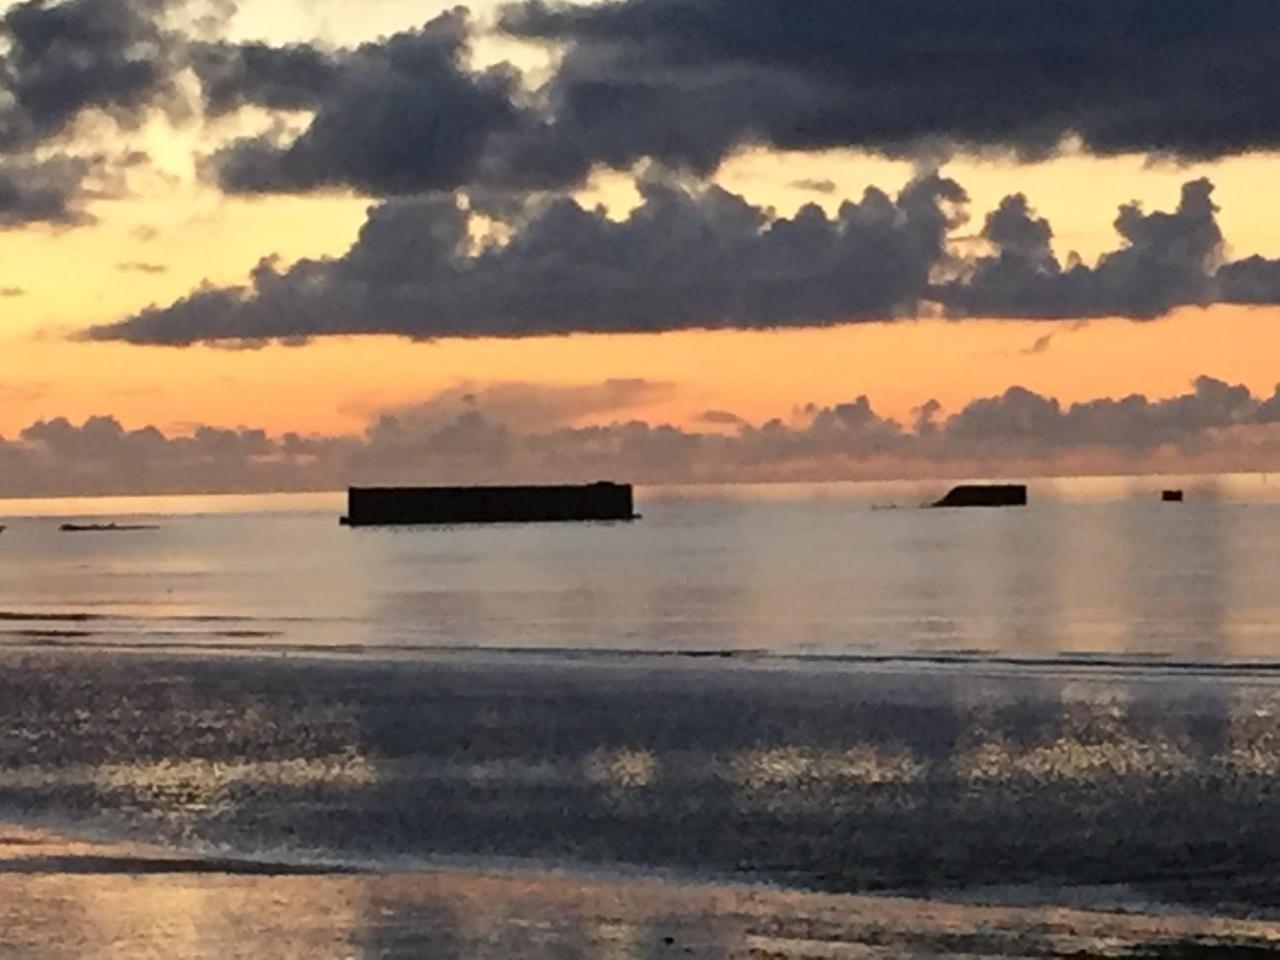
pixel 496 917
pixel 839 778
pixel 1071 698
pixel 1128 578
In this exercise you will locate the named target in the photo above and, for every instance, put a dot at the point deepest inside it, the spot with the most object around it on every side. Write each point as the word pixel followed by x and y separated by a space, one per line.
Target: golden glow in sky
pixel 171 233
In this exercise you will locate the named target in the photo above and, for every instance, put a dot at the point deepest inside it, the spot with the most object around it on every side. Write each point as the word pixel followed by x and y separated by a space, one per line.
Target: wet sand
pixel 142 903
pixel 485 805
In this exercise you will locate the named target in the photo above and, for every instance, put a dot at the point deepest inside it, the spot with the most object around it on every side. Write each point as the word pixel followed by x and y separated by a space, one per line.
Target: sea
pixel 759 721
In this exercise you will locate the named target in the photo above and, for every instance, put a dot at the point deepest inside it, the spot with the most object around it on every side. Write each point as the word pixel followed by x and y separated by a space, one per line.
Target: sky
pixel 251 245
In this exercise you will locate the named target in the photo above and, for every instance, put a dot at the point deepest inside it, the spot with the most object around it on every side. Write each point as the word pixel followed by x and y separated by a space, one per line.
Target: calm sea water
pixel 1093 567
pixel 259 716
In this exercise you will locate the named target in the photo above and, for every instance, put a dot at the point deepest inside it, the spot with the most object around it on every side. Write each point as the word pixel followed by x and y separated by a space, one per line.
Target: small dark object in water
pixel 993 495
pixel 103 528
pixel 440 505
pixel 1172 496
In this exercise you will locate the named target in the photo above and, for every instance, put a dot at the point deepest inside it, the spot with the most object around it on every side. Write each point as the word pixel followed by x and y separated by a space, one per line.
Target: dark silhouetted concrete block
pixel 402 506
pixel 995 495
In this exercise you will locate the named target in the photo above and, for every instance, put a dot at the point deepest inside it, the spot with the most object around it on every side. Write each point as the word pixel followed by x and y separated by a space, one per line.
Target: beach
pixel 743 805
pixel 636 479
pixel 154 911
pixel 747 726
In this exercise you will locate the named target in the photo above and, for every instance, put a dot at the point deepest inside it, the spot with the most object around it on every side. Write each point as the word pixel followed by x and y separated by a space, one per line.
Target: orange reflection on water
pixel 493 917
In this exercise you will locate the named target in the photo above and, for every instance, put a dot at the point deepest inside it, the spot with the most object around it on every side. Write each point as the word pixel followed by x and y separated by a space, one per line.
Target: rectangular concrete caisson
pixel 404 506
pixel 986 495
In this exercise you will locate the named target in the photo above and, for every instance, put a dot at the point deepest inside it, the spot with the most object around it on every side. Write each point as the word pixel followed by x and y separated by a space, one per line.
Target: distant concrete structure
pixel 105 527
pixel 412 506
pixel 986 495
pixel 1172 496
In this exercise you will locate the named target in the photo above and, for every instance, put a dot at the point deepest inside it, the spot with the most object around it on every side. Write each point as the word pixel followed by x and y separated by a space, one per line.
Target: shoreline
pixel 977 663
pixel 935 783
pixel 487 912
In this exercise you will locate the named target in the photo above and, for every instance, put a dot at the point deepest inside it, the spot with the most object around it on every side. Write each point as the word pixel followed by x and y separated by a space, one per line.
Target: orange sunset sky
pixel 166 231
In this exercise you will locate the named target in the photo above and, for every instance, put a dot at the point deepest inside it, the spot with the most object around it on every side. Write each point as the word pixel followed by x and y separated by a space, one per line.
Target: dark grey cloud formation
pixel 694 257
pixel 686 257
pixel 482 434
pixel 57 62
pixel 235 75
pixel 401 116
pixel 48 191
pixel 1252 280
pixel 1166 260
pixel 682 82
pixel 68 57
pixel 688 81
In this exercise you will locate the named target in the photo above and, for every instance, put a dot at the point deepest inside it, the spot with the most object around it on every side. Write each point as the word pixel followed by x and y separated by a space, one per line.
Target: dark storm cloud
pixel 688 81
pixel 684 258
pixel 1252 280
pixel 683 82
pixel 46 191
pixel 294 77
pixel 1166 260
pixel 403 115
pixel 60 59
pixel 703 258
pixel 483 434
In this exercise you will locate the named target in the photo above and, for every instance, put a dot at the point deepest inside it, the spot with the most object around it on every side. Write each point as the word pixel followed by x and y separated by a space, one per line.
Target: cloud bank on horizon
pixel 517 432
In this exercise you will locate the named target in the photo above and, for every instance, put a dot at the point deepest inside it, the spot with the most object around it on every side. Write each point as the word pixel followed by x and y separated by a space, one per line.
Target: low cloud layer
pixel 523 432
pixel 698 257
